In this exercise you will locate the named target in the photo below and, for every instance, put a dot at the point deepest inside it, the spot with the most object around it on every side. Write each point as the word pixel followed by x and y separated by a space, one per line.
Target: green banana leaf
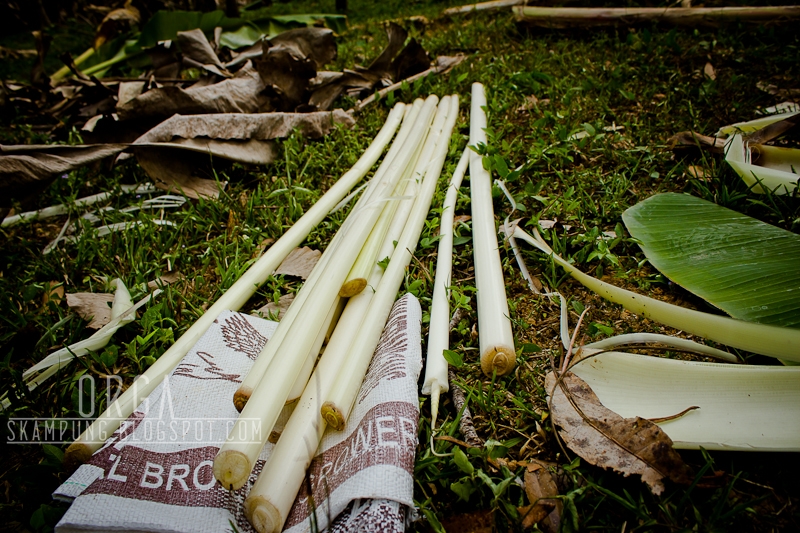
pixel 749 269
pixel 253 30
pixel 165 25
pixel 236 32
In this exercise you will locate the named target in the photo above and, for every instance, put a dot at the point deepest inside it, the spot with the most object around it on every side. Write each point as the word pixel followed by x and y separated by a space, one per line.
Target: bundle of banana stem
pixel 386 222
pixel 233 299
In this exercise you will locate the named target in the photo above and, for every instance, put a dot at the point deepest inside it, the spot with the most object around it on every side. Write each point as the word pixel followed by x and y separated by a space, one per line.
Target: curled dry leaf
pixel 178 151
pixel 197 52
pixel 115 22
pixel 603 438
pixel 95 307
pixel 240 94
pixel 260 126
pixel 395 63
pixel 290 61
pixel 26 170
pixel 300 262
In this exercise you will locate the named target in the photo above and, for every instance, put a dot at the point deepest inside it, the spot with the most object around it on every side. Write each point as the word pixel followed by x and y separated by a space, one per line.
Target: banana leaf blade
pixel 747 268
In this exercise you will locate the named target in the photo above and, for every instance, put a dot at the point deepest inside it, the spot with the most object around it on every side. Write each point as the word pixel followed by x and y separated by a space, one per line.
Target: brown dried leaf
pixel 461 219
pixel 536 512
pixel 696 172
pixel 382 65
pixel 300 262
pixel 240 94
pixel 95 307
pixel 275 311
pixel 262 246
pixel 167 279
pixel 198 51
pixel 774 90
pixel 323 96
pixel 603 438
pixel 177 171
pixel 316 44
pixel 290 61
pixel 413 59
pixel 128 90
pixel 175 154
pixel 26 170
pixel 709 72
pixel 116 21
pixel 166 64
pixel 259 126
pixel 445 64
pixel 390 66
pixel 530 103
pixel 541 489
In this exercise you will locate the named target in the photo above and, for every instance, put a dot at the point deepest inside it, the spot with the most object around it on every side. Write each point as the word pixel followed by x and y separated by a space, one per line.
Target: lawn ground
pixel 629 89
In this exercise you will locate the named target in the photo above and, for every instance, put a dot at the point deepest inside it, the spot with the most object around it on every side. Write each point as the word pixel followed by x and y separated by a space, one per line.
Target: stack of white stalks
pixel 346 300
pixel 392 209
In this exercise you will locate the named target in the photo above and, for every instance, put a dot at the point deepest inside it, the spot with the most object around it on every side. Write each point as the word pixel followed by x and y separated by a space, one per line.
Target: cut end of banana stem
pixel 76 455
pixel 264 516
pixel 232 469
pixel 333 416
pixel 498 359
pixel 241 396
pixel 352 287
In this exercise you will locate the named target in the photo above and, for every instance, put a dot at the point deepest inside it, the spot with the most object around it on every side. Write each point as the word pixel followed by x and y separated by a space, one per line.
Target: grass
pixel 628 89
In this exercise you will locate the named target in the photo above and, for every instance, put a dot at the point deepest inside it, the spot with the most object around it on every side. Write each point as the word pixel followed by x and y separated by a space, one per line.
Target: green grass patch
pixel 624 90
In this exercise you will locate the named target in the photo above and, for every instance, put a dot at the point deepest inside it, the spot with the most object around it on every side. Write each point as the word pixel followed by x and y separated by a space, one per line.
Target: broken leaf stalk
pixel 758 338
pixel 63 209
pixel 667 340
pixel 123 311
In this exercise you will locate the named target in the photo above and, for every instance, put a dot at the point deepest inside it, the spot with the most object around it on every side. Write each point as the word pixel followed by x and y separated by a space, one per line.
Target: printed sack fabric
pixel 155 473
